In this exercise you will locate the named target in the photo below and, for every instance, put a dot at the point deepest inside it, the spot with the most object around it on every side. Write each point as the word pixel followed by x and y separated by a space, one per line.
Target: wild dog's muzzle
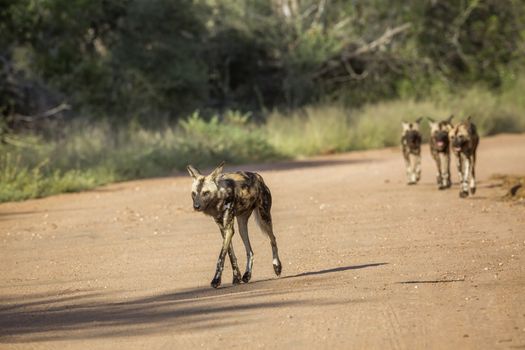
pixel 441 141
pixel 459 143
pixel 198 205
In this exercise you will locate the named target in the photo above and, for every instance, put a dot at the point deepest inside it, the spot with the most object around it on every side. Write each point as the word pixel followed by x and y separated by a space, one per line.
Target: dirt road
pixel 368 263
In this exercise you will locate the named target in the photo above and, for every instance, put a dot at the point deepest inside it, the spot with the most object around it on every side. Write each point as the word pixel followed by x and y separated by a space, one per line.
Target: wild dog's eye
pixel 193 194
pixel 205 193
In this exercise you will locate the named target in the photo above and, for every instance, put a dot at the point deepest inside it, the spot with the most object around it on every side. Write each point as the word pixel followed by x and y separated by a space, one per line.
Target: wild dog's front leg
pixel 465 176
pixel 447 182
pixel 472 174
pixel 227 227
pixel 235 266
pixel 233 259
pixel 459 166
pixel 408 167
pixel 417 167
pixel 438 166
pixel 410 163
pixel 444 160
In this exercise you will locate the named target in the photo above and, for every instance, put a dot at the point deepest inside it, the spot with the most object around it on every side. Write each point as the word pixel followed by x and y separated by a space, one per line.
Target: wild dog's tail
pixel 263 216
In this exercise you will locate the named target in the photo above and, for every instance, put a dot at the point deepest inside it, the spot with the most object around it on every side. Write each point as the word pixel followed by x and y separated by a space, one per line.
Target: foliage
pixel 154 61
pixel 90 154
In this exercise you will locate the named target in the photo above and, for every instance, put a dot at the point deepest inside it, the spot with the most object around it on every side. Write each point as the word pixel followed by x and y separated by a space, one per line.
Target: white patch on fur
pixel 434 127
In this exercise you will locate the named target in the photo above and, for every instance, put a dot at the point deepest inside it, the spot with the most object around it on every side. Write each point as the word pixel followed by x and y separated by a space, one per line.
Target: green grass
pixel 89 155
pixel 327 129
pixel 92 155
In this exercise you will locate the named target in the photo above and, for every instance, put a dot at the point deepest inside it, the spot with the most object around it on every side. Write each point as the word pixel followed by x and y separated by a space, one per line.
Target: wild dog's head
pixel 411 135
pixel 204 190
pixel 460 135
pixel 439 133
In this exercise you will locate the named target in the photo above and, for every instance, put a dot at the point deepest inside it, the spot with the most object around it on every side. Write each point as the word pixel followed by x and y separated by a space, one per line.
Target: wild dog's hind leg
pixel 226 227
pixel 242 222
pixel 264 220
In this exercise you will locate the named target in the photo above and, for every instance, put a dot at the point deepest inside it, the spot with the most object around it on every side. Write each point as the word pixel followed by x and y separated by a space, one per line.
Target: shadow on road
pixel 21 215
pixel 336 269
pixel 81 314
pixel 431 281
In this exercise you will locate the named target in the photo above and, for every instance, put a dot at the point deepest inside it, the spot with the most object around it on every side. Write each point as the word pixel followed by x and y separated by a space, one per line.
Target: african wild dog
pixel 464 140
pixel 225 196
pixel 411 147
pixel 440 150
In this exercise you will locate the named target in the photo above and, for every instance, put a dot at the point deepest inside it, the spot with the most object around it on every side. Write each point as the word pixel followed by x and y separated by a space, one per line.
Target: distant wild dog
pixel 440 150
pixel 225 196
pixel 411 147
pixel 464 140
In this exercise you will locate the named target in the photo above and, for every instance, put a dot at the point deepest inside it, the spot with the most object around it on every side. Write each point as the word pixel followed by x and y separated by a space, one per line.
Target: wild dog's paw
pixel 247 276
pixel 442 187
pixel 473 190
pixel 411 183
pixel 236 279
pixel 277 268
pixel 463 194
pixel 216 282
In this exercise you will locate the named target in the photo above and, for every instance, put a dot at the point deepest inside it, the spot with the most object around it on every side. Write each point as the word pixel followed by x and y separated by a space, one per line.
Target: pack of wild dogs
pixel 462 138
pixel 229 196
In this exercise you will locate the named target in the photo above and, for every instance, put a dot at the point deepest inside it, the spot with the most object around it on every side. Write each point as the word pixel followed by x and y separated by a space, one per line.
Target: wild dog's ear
pixel 193 172
pixel 449 120
pixel 469 118
pixel 433 124
pixel 217 171
pixel 418 120
pixel 405 125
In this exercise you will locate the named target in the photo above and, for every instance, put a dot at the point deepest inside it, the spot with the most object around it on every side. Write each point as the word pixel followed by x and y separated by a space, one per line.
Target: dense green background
pixel 152 60
pixel 144 87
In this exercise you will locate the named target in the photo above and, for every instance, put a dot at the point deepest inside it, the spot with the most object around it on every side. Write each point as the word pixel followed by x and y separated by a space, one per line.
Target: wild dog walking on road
pixel 440 150
pixel 225 196
pixel 411 147
pixel 464 140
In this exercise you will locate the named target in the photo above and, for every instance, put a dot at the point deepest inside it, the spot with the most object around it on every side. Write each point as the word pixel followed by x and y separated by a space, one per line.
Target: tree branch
pixel 50 112
pixel 371 46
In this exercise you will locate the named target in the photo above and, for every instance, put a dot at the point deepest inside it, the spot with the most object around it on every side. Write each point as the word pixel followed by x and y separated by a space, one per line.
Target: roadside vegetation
pixel 92 154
